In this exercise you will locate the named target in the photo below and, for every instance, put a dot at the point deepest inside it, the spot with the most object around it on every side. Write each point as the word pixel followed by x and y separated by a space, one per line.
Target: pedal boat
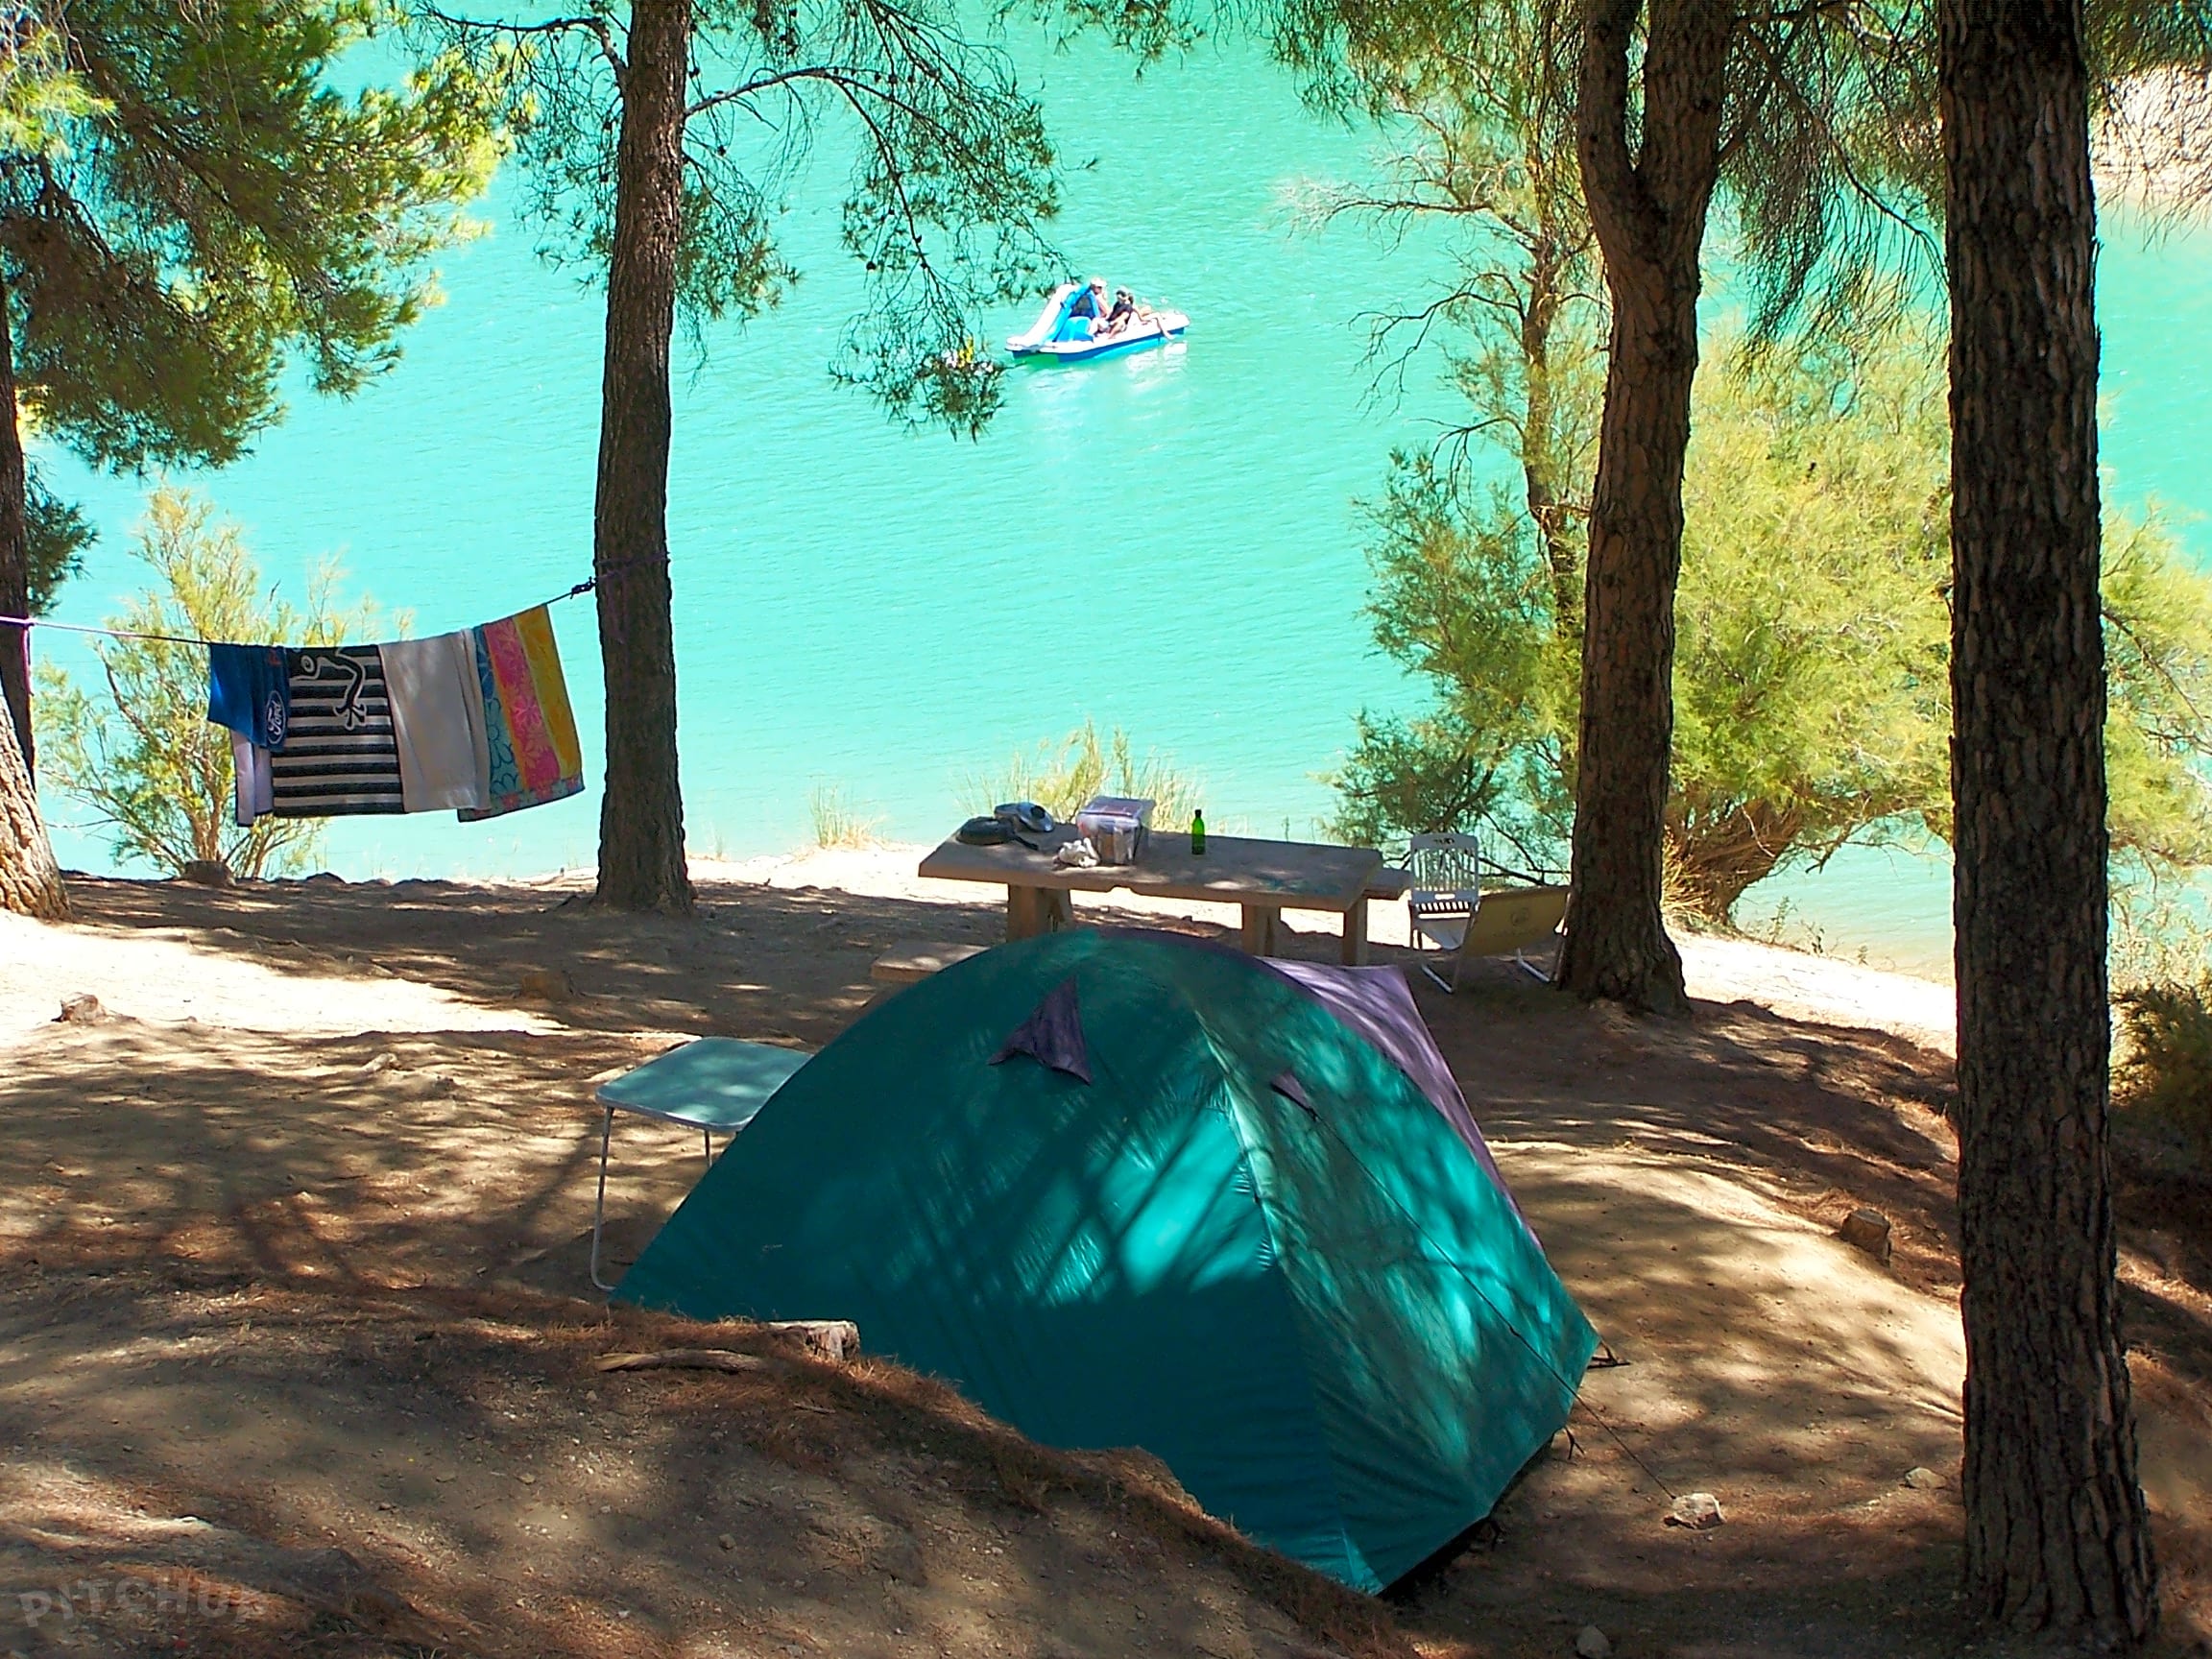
pixel 1056 337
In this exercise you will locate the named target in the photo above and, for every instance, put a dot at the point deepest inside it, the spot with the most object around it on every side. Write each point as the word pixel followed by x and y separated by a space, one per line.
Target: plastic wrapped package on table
pixel 1117 826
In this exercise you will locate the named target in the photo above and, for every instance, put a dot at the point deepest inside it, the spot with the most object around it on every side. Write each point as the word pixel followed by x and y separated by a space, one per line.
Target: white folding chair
pixel 1443 889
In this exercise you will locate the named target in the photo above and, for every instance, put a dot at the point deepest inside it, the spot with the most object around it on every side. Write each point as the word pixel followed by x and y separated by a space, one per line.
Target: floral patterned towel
pixel 531 754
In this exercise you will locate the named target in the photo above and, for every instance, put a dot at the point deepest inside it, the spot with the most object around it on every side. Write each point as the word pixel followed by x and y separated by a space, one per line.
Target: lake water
pixel 1167 542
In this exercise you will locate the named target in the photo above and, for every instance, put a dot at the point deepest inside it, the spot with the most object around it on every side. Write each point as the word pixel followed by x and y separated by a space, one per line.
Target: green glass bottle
pixel 1197 833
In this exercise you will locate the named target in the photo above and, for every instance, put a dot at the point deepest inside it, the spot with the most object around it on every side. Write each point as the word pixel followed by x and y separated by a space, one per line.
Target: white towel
pixel 438 718
pixel 253 794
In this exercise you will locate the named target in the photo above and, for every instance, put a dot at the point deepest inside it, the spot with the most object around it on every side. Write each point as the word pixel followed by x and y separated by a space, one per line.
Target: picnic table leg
pixel 599 1209
pixel 1034 910
pixel 1355 934
pixel 1259 936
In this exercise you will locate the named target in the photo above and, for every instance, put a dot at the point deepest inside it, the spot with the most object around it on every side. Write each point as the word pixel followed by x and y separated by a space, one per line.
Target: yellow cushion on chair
pixel 1513 918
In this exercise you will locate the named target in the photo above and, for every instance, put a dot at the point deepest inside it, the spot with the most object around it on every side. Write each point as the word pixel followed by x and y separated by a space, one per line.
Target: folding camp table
pixel 713 1085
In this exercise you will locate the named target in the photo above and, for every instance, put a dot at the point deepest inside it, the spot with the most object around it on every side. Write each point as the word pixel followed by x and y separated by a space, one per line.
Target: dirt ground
pixel 297 1344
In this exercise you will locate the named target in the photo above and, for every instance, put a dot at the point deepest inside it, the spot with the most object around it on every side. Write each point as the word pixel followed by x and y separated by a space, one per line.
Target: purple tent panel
pixel 1378 1004
pixel 1052 1035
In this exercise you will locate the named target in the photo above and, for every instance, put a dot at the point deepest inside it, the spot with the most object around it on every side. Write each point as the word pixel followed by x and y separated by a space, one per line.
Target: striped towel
pixel 530 753
pixel 340 758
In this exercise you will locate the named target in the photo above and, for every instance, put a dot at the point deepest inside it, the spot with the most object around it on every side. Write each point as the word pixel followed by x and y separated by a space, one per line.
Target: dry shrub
pixel 1682 900
pixel 2166 1070
pixel 1024 1481
pixel 838 822
pixel 1063 776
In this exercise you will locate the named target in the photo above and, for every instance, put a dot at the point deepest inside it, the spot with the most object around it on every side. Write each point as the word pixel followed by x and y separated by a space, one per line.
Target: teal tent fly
pixel 1135 1190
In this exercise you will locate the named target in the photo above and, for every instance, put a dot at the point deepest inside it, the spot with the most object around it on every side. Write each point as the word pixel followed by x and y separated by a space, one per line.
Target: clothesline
pixel 576 593
pixel 475 720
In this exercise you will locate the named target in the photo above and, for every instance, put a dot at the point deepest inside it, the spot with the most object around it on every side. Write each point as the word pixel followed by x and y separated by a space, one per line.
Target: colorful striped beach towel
pixel 530 755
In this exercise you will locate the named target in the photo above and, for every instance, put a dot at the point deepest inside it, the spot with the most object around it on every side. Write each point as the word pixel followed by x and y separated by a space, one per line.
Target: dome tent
pixel 1133 1189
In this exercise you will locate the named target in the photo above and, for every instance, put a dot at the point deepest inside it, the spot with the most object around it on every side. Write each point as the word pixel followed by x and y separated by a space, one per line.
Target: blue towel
pixel 249 692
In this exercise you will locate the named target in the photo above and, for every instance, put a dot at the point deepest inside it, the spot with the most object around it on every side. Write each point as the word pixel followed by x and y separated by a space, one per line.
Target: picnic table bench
pixel 1262 879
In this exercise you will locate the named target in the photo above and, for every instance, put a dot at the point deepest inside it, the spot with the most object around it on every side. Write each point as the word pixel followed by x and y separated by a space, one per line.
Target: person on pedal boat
pixel 1086 311
pixel 1124 312
pixel 1090 300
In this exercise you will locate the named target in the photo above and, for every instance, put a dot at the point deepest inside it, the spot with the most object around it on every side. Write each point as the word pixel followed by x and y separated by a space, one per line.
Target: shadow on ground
pixel 503 947
pixel 328 1292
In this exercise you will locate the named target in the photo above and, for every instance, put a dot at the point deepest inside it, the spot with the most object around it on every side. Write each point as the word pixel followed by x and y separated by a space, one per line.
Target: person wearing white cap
pixel 1088 304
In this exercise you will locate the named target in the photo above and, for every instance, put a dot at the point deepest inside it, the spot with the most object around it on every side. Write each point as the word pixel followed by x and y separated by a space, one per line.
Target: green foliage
pixel 40 93
pixel 1490 117
pixel 188 200
pixel 1828 149
pixel 1811 676
pixel 1829 141
pixel 144 758
pixel 952 174
pixel 1403 776
pixel 1062 777
pixel 2165 1069
pixel 2158 719
pixel 2160 927
pixel 1147 29
pixel 56 535
pixel 1463 596
pixel 1812 673
pixel 1811 689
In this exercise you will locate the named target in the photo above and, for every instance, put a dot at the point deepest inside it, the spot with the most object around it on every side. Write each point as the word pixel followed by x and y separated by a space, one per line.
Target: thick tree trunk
pixel 641 817
pixel 1648 209
pixel 2057 1538
pixel 30 884
pixel 1718 851
pixel 14 547
pixel 1617 945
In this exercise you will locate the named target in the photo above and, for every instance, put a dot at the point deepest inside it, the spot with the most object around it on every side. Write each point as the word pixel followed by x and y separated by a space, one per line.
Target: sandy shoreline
pixel 1797 984
pixel 166 975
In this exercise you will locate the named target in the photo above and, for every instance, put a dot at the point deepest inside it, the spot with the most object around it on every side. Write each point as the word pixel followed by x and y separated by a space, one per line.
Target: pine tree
pixel 2057 1536
pixel 1802 118
pixel 1822 123
pixel 30 883
pixel 658 137
pixel 187 204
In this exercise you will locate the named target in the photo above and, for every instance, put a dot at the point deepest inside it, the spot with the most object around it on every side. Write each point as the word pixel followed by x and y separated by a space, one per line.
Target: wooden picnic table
pixel 1264 879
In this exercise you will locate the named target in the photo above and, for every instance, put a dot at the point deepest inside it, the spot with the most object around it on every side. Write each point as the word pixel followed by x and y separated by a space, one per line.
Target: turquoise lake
pixel 1167 542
